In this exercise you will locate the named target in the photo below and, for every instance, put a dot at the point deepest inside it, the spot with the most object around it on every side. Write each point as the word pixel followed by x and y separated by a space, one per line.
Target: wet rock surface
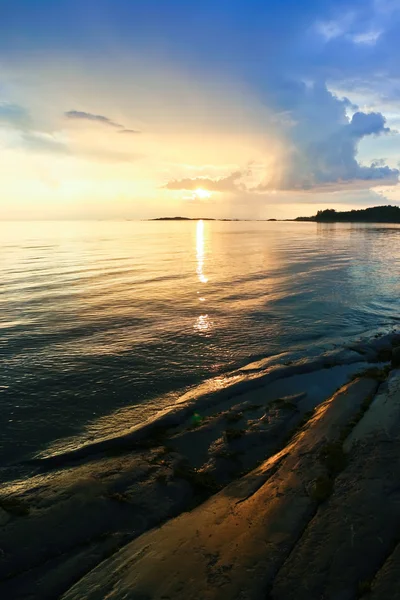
pixel 354 532
pixel 233 545
pixel 283 488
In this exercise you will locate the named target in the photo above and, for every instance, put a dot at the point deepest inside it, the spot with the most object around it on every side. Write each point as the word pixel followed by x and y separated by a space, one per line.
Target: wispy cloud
pixel 79 115
pixel 348 28
pixel 29 137
pixel 43 143
pixel 25 135
pixel 369 38
pixel 334 28
pixel 13 115
pixel 129 131
pixel 231 183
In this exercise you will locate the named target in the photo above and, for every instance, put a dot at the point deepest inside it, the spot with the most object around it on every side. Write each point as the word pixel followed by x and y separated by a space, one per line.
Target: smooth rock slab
pixel 354 532
pixel 351 535
pixel 382 420
pixel 232 546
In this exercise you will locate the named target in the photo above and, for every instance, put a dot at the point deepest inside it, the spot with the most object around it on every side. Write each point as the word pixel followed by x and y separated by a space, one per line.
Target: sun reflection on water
pixel 200 251
pixel 202 323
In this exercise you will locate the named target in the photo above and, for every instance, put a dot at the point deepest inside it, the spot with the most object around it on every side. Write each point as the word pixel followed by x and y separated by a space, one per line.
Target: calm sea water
pixel 102 323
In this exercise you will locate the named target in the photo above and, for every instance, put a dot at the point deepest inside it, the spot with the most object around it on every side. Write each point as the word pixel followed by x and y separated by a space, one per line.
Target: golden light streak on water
pixel 200 247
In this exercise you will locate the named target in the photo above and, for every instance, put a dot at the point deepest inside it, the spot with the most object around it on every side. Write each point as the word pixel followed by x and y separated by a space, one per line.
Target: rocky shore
pixel 283 483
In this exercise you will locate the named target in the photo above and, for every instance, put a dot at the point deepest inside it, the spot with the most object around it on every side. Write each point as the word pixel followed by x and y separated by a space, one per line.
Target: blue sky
pixel 230 108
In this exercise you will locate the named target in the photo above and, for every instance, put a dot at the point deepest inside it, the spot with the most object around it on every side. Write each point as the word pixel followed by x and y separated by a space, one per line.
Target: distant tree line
pixel 375 214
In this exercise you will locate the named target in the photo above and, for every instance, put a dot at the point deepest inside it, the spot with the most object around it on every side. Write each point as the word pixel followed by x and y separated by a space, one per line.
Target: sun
pixel 202 194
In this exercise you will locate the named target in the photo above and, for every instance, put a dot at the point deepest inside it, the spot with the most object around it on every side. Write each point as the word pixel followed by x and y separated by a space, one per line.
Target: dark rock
pixel 396 357
pixel 4 517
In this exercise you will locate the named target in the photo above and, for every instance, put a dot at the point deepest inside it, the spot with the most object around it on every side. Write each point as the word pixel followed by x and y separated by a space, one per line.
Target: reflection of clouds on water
pixel 200 252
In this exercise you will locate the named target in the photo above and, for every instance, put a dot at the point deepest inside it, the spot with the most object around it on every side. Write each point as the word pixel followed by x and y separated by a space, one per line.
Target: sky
pixel 137 109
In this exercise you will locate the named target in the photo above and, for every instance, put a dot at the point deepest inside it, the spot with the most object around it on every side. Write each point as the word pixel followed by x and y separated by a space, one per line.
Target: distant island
pixel 195 219
pixel 375 214
pixel 181 219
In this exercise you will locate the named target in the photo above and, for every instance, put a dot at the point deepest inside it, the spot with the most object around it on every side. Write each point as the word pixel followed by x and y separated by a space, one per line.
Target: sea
pixel 104 323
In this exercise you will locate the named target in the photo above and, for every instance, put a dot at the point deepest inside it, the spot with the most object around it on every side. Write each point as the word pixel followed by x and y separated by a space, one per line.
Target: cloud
pixel 331 30
pixel 19 121
pixel 350 26
pixel 30 138
pixel 78 115
pixel 369 37
pixel 13 115
pixel 129 131
pixel 222 184
pixel 42 143
pixel 334 28
pixel 319 145
pixel 322 143
pixel 363 124
pixel 378 162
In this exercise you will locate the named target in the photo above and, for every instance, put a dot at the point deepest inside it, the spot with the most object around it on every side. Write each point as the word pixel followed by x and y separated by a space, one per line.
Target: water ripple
pixel 113 318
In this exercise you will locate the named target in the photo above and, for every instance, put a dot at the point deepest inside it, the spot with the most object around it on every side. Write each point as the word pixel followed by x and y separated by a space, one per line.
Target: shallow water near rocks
pixel 102 324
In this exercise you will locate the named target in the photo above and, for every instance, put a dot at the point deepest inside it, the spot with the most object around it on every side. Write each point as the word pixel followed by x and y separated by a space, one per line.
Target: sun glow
pixel 202 194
